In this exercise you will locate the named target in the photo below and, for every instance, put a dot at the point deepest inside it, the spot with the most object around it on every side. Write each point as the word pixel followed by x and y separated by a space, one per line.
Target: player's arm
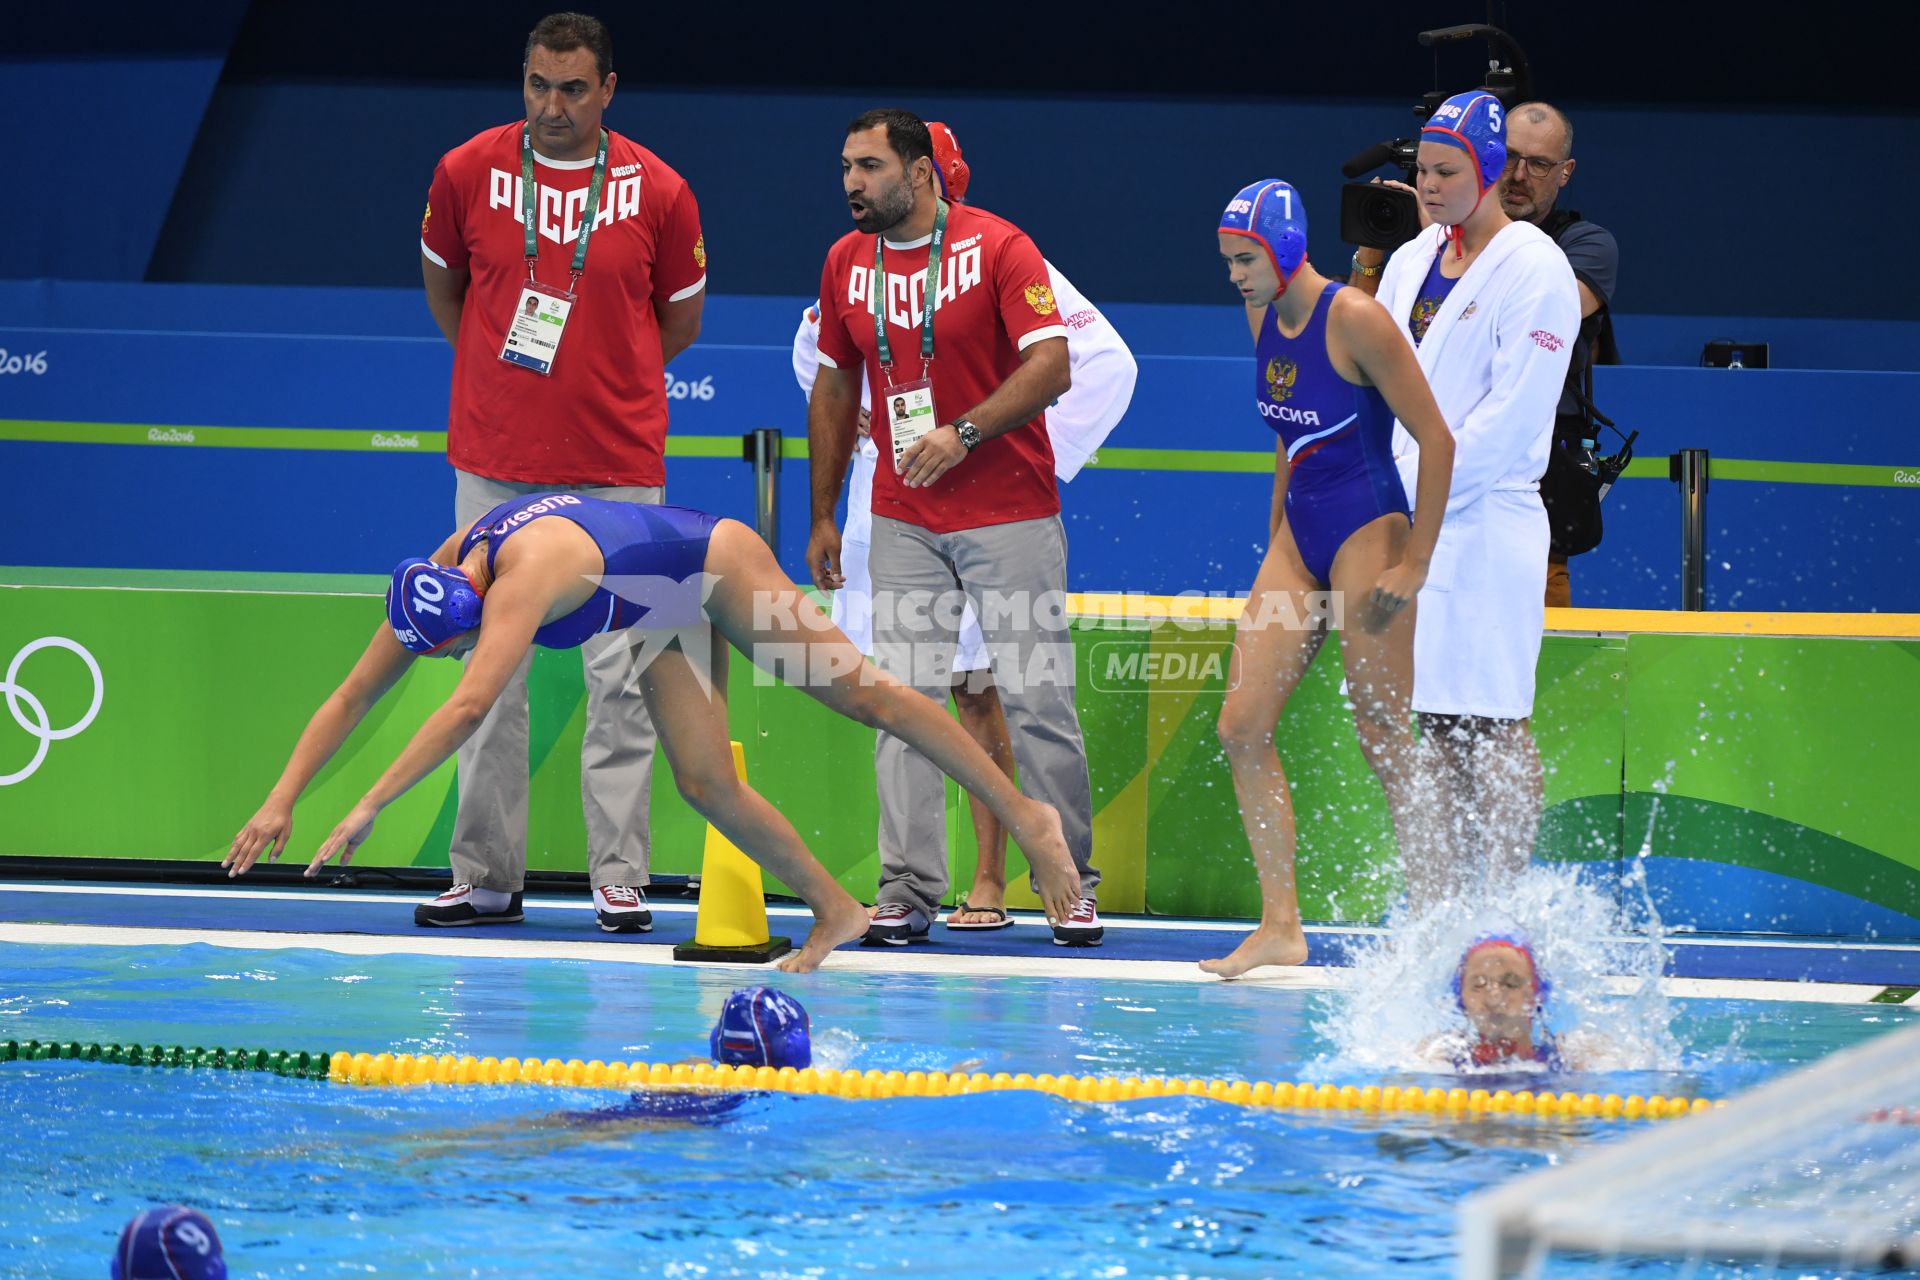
pixel 1282 470
pixel 1367 335
pixel 515 608
pixel 378 670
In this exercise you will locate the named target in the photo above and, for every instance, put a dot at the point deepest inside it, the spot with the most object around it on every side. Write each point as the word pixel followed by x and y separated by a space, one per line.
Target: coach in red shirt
pixel 565 264
pixel 965 504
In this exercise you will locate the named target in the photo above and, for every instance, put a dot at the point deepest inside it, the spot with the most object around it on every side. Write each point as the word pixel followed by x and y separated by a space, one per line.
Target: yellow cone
pixel 732 921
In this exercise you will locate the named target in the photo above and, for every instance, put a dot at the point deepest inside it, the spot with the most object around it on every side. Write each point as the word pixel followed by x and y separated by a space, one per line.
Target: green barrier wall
pixel 1789 757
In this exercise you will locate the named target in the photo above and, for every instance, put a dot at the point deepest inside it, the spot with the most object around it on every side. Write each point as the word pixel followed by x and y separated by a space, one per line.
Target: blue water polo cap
pixel 429 604
pixel 1477 124
pixel 172 1242
pixel 1270 212
pixel 761 1027
pixel 1542 988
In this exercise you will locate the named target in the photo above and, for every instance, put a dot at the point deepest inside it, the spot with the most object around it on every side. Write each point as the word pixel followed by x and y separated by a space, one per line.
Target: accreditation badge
pixel 910 415
pixel 533 334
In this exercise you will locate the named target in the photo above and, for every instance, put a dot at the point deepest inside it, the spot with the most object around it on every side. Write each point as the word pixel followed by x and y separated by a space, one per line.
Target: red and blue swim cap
pixel 761 1027
pixel 429 605
pixel 172 1242
pixel 1270 211
pixel 1477 124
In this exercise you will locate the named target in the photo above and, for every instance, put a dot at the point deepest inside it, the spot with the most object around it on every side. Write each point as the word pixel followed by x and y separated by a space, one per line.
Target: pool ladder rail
pixel 391 1069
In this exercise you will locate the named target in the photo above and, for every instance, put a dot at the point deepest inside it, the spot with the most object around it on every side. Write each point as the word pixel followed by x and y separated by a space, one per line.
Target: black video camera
pixel 1376 215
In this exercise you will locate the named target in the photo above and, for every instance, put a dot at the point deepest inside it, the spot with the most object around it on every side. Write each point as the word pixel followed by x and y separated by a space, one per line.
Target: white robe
pixel 1496 356
pixel 1103 372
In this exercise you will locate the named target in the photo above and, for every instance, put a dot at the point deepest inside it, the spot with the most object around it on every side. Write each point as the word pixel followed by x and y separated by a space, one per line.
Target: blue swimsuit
pixel 634 539
pixel 1339 439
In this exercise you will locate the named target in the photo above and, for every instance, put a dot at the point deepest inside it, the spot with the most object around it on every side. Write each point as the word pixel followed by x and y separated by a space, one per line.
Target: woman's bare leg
pixel 1272 649
pixel 1377 649
pixel 768 618
pixel 692 723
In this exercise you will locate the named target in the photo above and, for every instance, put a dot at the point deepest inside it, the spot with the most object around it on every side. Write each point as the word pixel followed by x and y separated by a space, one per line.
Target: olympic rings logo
pixel 35 722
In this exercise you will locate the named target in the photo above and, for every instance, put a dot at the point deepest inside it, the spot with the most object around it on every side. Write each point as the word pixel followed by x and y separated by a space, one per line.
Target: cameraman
pixel 1539 164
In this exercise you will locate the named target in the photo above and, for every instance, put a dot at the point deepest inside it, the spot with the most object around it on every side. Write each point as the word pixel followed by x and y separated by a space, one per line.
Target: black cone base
pixel 764 953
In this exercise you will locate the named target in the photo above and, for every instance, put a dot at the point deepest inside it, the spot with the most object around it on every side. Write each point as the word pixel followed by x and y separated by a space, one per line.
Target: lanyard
pixel 527 199
pixel 883 349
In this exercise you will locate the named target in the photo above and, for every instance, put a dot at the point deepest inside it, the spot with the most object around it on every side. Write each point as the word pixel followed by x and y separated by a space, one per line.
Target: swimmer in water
pixel 1503 993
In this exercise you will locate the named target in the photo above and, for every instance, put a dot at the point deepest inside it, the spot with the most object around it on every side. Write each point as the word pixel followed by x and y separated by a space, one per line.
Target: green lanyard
pixel 883 348
pixel 528 199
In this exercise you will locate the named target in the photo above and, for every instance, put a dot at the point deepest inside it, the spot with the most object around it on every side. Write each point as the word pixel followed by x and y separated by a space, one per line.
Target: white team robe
pixel 1496 356
pixel 1103 371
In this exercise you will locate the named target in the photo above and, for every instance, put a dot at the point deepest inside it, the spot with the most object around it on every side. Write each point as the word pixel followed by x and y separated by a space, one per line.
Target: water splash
pixel 1601 948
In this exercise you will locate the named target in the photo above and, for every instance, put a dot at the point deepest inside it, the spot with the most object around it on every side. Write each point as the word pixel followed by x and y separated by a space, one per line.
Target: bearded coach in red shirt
pixel 948 312
pixel 565 264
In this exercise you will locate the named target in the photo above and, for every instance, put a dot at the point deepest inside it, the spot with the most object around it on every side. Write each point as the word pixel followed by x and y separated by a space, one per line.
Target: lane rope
pixel 404 1069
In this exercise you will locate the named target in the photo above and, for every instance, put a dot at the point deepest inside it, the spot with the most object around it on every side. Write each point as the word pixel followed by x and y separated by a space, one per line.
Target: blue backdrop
pixel 360 362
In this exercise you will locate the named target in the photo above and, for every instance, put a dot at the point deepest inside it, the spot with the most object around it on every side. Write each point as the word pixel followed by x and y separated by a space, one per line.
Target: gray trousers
pixel 616 757
pixel 1016 577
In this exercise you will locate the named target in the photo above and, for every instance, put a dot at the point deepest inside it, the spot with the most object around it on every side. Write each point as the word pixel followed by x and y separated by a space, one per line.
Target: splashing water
pixel 1600 949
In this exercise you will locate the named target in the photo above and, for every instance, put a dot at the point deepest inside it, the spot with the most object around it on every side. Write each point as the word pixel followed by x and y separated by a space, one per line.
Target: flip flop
pixel 1001 919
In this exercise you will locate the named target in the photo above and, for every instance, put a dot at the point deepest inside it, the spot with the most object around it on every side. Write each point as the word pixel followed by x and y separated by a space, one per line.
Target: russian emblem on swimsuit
pixel 1280 376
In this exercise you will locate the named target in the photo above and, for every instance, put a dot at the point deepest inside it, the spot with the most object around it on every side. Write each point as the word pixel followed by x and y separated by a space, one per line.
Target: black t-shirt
pixel 1595 257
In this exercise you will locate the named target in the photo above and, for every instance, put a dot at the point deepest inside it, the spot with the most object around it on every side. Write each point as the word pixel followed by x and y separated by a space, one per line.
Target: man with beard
pixel 1539 164
pixel 949 310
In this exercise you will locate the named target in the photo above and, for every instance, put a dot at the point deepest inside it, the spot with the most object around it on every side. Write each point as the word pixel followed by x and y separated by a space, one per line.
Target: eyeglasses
pixel 1538 166
pixel 1512 982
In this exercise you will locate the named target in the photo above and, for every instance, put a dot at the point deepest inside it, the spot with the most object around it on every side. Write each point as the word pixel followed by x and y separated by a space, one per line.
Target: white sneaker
pixel 896 924
pixel 463 905
pixel 1081 928
pixel 621 910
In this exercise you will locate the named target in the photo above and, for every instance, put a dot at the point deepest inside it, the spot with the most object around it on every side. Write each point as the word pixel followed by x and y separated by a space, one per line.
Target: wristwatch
pixel 969 434
pixel 1362 269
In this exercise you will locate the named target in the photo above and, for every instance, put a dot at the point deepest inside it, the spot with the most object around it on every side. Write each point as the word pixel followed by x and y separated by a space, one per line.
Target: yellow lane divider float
pixel 411 1069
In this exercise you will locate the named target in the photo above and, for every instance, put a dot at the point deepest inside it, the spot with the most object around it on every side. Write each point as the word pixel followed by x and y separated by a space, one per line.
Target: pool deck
pixel 1156 948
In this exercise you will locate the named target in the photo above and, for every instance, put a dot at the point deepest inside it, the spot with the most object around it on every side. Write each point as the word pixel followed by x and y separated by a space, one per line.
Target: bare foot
pixel 842 922
pixel 984 901
pixel 1044 841
pixel 1274 944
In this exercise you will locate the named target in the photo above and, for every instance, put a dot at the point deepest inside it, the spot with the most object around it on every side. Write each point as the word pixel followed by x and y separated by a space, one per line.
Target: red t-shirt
pixel 995 300
pixel 601 417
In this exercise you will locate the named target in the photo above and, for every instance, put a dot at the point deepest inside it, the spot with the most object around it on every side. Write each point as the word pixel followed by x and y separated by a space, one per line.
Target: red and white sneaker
pixel 1081 928
pixel 622 910
pixel 463 905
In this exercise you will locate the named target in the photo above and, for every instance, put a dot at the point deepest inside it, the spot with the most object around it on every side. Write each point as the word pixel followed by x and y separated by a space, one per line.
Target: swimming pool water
pixel 315 1179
